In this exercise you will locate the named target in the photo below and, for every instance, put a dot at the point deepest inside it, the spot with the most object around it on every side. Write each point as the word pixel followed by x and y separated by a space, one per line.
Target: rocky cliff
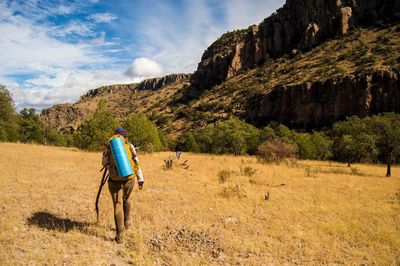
pixel 109 89
pixel 160 82
pixel 299 24
pixel 121 99
pixel 322 103
pixel 147 84
pixel 62 117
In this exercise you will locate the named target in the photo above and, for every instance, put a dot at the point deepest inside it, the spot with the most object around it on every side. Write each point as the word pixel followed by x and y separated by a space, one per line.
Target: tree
pixel 284 133
pixel 31 128
pixel 7 109
pixel 236 137
pixel 143 133
pixel 8 117
pixel 353 140
pixel 267 133
pixel 187 142
pixel 386 129
pixel 93 134
pixel 305 147
pixel 204 139
pixel 323 145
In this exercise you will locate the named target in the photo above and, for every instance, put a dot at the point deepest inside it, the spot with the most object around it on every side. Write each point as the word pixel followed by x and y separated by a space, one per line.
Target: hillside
pixel 304 66
pixel 316 213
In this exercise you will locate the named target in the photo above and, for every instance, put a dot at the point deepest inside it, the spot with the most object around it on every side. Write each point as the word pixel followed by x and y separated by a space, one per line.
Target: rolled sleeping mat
pixel 120 156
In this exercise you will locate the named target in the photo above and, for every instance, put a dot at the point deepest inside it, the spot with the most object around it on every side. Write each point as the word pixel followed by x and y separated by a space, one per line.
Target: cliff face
pixel 148 84
pixel 121 99
pixel 158 83
pixel 61 116
pixel 299 24
pixel 110 89
pixel 319 104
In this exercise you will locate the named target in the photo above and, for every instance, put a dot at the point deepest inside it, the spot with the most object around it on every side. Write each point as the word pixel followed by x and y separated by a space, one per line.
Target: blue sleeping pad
pixel 121 159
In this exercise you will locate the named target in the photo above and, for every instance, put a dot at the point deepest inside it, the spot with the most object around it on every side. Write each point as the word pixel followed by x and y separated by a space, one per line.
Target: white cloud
pixel 57 70
pixel 102 17
pixel 179 44
pixel 42 70
pixel 144 68
pixel 44 90
pixel 74 27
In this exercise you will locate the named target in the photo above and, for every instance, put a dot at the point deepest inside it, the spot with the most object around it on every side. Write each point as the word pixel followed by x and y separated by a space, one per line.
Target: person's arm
pixel 139 174
pixel 106 158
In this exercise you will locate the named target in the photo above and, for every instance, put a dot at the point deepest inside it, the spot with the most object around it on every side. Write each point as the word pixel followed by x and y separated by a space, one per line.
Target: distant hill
pixel 308 65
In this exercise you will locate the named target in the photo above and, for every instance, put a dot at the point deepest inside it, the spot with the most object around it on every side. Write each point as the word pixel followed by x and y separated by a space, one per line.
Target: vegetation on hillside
pixel 24 126
pixel 359 52
pixel 371 139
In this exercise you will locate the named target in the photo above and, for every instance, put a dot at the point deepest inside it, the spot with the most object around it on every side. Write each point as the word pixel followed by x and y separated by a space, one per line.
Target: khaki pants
pixel 120 192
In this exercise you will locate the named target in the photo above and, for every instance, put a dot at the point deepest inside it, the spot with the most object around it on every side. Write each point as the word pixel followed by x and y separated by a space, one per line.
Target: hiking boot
pixel 119 238
pixel 127 224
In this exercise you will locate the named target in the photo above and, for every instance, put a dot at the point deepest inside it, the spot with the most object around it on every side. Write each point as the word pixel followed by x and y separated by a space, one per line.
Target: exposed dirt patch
pixel 197 243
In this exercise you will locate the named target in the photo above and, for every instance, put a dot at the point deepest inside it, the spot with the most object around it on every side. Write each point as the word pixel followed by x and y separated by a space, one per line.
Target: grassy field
pixel 215 212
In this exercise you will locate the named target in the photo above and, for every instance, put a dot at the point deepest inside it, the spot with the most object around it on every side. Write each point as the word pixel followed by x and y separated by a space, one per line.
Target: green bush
pixel 352 140
pixel 92 135
pixel 143 133
pixel 323 145
pixel 3 134
pixel 8 117
pixel 187 142
pixel 31 128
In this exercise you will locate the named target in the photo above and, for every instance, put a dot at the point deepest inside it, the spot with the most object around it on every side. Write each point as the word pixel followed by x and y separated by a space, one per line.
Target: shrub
pixel 234 191
pixel 248 171
pixel 323 145
pixel 143 133
pixel 224 175
pixel 187 142
pixel 235 136
pixel 310 172
pixel 3 134
pixel 274 151
pixel 93 134
pixel 31 128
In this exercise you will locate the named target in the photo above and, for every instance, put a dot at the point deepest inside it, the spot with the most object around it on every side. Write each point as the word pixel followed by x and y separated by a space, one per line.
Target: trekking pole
pixel 103 181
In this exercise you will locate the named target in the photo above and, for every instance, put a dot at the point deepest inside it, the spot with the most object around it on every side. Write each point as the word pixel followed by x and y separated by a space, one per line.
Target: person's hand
pixel 141 183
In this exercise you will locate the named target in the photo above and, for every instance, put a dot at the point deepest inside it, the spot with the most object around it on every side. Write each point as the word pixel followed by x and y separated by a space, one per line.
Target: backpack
pixel 114 175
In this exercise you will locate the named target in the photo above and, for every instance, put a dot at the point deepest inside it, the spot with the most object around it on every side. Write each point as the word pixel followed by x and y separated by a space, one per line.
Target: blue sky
pixel 54 51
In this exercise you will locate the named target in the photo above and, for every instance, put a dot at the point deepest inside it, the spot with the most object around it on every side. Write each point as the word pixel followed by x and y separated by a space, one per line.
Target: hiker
pixel 121 186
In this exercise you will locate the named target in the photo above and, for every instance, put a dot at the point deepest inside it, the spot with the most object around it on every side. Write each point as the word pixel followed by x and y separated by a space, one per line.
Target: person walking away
pixel 120 184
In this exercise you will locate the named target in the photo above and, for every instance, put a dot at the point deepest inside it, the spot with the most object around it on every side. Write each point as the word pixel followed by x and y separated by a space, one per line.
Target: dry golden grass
pixel 184 217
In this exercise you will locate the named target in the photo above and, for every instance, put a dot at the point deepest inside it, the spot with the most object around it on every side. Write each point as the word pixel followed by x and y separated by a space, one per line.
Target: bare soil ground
pixel 220 210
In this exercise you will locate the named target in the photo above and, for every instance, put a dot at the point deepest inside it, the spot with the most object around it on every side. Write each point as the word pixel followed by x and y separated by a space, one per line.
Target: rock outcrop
pixel 299 24
pixel 61 116
pixel 109 89
pixel 319 104
pixel 158 83
pixel 68 117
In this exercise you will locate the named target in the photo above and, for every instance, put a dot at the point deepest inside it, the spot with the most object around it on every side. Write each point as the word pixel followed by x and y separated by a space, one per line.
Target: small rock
pixel 266 196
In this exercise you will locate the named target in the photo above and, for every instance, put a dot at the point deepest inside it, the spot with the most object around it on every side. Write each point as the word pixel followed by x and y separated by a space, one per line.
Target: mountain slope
pixel 272 72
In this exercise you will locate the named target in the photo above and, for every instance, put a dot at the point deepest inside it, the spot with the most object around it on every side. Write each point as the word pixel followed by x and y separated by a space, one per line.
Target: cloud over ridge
pixel 143 68
pixel 55 51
